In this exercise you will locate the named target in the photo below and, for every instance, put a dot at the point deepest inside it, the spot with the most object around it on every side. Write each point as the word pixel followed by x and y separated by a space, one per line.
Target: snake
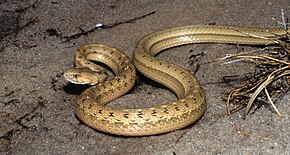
pixel 91 107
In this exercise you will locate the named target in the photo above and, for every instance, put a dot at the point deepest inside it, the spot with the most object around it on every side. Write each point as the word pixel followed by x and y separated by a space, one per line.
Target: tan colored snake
pixel 91 107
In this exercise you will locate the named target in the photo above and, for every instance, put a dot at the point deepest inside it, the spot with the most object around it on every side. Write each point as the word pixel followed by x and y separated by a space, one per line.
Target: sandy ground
pixel 39 38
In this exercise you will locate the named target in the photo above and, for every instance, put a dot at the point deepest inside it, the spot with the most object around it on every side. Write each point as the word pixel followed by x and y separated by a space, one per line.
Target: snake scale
pixel 91 106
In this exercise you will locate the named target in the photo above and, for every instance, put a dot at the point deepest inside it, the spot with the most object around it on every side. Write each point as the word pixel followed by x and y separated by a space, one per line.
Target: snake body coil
pixel 91 107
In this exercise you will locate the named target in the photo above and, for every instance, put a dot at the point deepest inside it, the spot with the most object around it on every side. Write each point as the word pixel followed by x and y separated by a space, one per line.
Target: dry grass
pixel 268 84
pixel 265 86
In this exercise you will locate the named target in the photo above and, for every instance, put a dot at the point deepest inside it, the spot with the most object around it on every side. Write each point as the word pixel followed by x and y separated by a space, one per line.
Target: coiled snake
pixel 91 106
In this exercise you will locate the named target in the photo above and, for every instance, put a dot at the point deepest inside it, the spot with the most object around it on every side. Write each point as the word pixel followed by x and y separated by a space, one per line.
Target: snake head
pixel 84 76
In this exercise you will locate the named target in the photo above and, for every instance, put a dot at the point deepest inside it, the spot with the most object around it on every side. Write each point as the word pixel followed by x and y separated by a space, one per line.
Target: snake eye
pixel 75 75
